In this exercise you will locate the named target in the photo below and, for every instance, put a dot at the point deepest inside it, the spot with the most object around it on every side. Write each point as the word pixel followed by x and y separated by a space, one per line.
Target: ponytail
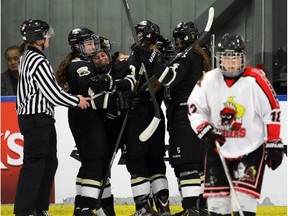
pixel 60 73
pixel 207 66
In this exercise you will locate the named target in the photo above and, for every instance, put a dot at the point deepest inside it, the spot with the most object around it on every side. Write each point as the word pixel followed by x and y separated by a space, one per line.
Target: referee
pixel 37 94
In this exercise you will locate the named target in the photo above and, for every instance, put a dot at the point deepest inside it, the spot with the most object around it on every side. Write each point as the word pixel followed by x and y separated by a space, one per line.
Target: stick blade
pixel 210 19
pixel 148 132
pixel 100 212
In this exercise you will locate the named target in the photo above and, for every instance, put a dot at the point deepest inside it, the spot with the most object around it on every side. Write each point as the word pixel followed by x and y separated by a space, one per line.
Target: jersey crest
pixel 83 71
pixel 231 116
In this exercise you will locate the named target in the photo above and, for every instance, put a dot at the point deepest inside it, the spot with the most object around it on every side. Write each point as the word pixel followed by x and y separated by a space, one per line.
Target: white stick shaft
pixel 234 195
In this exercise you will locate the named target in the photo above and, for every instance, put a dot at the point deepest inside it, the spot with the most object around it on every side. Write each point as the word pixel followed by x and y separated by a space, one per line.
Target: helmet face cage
pixel 33 30
pixel 147 31
pixel 231 55
pixel 185 33
pixel 77 39
pixel 231 63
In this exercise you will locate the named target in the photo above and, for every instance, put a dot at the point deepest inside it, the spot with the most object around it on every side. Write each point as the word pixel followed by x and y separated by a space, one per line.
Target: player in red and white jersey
pixel 236 105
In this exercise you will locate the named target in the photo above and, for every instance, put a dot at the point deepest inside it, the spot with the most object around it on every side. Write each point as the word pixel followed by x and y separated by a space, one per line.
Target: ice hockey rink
pixel 262 22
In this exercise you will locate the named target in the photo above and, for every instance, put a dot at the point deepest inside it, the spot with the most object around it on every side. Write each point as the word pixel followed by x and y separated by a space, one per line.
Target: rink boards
pixel 274 191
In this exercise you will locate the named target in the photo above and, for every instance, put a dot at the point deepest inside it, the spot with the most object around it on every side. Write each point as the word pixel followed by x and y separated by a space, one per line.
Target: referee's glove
pixel 274 151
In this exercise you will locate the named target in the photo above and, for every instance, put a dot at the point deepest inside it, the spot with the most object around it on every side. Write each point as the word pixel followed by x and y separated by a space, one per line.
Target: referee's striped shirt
pixel 37 90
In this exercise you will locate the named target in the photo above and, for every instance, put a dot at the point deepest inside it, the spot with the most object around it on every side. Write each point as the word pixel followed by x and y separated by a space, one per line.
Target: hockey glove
pixel 210 135
pixel 145 55
pixel 102 82
pixel 274 153
pixel 122 100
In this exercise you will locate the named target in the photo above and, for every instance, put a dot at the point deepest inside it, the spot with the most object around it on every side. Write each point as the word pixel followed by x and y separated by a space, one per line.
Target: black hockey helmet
pixel 185 33
pixel 105 46
pixel 77 38
pixel 162 43
pixel 105 43
pixel 33 30
pixel 147 31
pixel 231 42
pixel 231 47
pixel 170 52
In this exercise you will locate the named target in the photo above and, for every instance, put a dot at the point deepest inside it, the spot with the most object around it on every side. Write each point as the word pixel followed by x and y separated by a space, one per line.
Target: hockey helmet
pixel 231 55
pixel 162 43
pixel 77 38
pixel 184 34
pixel 170 52
pixel 33 30
pixel 105 47
pixel 147 31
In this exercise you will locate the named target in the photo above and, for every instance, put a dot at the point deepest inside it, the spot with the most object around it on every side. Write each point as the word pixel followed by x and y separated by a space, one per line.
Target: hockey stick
pixel 234 195
pixel 199 40
pixel 148 132
pixel 213 51
pixel 100 211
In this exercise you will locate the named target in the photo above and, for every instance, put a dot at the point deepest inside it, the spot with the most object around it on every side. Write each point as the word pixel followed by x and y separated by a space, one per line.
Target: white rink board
pixel 274 185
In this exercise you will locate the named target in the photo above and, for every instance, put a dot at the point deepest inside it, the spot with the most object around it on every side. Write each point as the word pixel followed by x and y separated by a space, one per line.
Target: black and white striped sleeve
pixel 46 82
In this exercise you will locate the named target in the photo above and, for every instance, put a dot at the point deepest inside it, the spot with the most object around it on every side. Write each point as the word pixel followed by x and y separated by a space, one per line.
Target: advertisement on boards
pixel 11 151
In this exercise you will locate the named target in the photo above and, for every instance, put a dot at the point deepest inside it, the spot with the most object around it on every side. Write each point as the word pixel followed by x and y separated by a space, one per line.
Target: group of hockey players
pixel 221 108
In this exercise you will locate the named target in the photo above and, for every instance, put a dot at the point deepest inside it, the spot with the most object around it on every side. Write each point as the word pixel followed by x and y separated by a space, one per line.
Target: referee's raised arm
pixel 37 95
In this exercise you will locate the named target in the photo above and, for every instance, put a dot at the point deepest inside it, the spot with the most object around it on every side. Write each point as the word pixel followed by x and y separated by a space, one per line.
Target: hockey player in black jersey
pixel 112 73
pixel 76 73
pixel 144 160
pixel 186 152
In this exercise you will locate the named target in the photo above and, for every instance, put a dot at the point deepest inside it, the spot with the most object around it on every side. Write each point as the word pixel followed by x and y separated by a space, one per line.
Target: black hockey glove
pixel 122 100
pixel 210 135
pixel 145 55
pixel 102 82
pixel 274 153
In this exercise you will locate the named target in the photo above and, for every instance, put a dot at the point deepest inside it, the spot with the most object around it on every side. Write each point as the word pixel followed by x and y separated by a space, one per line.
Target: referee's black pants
pixel 39 164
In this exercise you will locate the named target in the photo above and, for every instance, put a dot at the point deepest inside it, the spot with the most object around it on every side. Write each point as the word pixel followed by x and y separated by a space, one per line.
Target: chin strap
pixel 42 45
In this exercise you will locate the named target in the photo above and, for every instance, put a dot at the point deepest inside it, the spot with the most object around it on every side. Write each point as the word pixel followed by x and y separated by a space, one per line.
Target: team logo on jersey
pixel 83 71
pixel 231 119
pixel 245 173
